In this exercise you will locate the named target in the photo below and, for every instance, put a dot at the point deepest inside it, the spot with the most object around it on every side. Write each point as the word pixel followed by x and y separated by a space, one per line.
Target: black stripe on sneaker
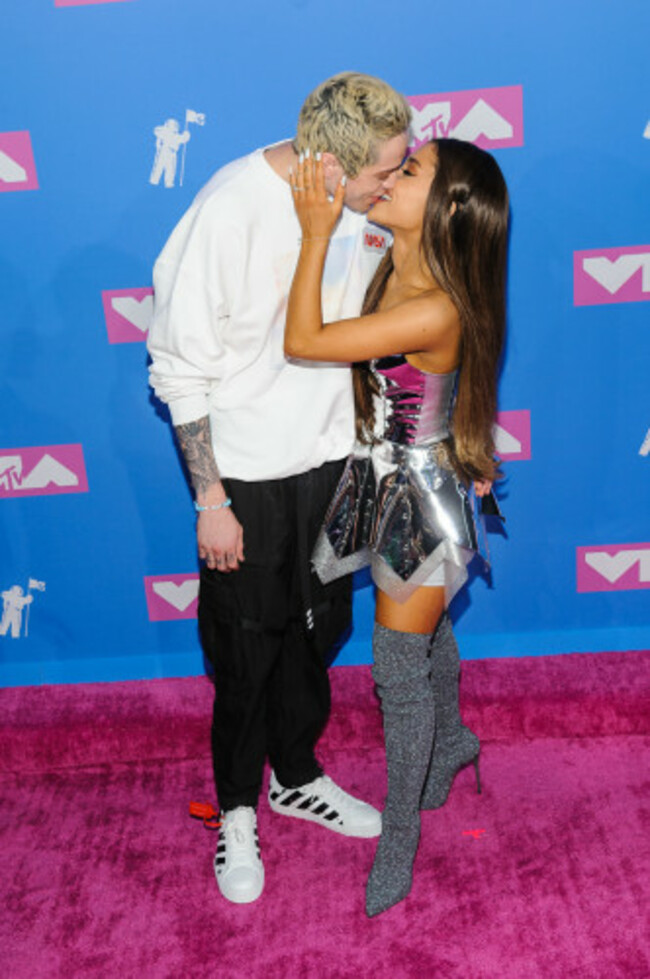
pixel 332 815
pixel 307 803
pixel 290 799
pixel 320 809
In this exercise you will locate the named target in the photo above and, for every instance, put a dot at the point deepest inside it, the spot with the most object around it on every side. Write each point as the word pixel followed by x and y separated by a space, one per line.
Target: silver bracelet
pixel 217 506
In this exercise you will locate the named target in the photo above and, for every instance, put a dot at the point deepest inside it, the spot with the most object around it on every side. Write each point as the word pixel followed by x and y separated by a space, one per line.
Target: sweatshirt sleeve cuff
pixel 189 409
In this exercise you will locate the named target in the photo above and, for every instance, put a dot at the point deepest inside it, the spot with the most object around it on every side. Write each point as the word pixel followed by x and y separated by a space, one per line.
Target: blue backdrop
pixel 97 556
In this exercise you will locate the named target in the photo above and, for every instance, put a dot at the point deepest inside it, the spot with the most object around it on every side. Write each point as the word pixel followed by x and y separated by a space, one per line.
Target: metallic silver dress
pixel 399 506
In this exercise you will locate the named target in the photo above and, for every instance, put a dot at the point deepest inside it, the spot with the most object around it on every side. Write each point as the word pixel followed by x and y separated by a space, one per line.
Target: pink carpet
pixel 546 874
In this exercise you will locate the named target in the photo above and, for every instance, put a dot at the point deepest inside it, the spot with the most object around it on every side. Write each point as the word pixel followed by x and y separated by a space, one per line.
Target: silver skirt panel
pixel 401 510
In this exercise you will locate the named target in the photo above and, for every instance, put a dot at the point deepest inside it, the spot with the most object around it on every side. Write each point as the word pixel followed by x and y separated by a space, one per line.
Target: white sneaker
pixel 238 865
pixel 322 801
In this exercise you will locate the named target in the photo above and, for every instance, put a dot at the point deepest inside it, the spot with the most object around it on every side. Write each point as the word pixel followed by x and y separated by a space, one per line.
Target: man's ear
pixel 332 169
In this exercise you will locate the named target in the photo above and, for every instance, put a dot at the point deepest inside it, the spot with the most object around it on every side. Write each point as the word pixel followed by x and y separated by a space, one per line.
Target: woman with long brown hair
pixel 426 349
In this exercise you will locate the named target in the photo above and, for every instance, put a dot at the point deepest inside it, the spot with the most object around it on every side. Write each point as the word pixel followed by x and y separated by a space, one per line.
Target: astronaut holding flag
pixel 14 601
pixel 169 139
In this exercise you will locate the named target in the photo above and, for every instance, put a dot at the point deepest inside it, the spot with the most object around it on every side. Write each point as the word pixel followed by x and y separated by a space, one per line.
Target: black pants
pixel 267 629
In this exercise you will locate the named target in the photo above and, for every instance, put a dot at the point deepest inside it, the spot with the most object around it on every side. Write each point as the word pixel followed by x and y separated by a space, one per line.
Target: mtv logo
pixel 17 166
pixel 42 471
pixel 488 117
pixel 432 121
pixel 611 275
pixel 171 596
pixel 84 3
pixel 128 314
pixel 512 436
pixel 615 567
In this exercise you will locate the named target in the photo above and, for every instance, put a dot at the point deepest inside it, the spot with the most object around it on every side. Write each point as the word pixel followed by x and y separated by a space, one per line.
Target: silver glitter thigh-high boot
pixel 401 672
pixel 455 745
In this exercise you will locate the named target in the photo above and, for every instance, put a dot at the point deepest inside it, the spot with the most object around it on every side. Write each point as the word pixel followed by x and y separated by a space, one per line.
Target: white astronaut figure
pixel 13 603
pixel 168 141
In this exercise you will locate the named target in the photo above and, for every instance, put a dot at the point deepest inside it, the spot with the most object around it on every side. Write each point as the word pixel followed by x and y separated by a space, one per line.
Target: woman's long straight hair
pixel 464 244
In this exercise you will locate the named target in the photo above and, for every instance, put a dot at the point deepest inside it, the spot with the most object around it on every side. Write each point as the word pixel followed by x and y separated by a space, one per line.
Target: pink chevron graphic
pixel 611 275
pixel 43 470
pixel 17 165
pixel 489 117
pixel 128 314
pixel 613 567
pixel 85 3
pixel 171 596
pixel 512 436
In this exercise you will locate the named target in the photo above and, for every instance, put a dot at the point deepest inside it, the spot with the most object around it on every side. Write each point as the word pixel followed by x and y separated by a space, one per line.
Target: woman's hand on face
pixel 317 212
pixel 482 486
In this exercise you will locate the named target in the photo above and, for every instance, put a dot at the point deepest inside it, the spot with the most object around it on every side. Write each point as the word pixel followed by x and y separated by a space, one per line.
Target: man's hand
pixel 219 534
pixel 220 538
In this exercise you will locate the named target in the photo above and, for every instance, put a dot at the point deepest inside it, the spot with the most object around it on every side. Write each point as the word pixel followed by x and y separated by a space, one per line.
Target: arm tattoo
pixel 196 445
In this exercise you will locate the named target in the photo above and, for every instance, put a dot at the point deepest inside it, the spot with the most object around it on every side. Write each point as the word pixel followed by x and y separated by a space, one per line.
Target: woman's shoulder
pixel 433 302
pixel 439 303
pixel 433 316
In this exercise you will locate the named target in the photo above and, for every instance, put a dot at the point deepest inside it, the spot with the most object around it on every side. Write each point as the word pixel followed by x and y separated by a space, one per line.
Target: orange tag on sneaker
pixel 206 812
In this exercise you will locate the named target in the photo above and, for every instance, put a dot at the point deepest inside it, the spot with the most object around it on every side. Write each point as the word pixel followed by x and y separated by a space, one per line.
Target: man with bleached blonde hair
pixel 265 440
pixel 351 117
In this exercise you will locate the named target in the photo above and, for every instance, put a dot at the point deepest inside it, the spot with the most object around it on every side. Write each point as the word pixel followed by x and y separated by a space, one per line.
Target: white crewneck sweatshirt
pixel 221 285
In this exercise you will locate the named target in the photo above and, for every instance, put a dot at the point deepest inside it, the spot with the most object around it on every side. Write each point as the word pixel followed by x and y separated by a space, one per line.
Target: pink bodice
pixel 417 405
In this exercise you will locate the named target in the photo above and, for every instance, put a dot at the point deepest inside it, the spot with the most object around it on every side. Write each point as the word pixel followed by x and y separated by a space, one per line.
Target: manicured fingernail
pixel 344 180
pixel 318 157
pixel 301 158
pixel 291 171
pixel 307 153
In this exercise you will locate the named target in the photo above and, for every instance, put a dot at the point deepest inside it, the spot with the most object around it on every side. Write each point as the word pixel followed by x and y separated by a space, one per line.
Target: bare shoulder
pixel 431 303
pixel 432 310
pixel 440 321
pixel 440 304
